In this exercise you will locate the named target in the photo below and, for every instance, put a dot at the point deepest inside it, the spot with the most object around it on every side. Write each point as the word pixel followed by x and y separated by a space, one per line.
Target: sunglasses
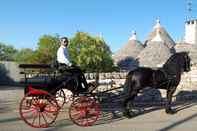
pixel 65 41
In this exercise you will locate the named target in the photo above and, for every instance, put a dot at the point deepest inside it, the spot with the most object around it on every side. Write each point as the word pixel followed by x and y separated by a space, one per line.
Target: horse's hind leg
pixel 126 106
pixel 170 93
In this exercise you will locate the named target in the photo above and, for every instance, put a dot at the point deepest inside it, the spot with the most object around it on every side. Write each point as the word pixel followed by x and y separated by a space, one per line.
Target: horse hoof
pixel 170 111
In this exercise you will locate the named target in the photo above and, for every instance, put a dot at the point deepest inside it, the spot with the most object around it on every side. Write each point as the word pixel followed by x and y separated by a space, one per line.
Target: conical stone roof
pixel 164 35
pixel 125 57
pixel 155 53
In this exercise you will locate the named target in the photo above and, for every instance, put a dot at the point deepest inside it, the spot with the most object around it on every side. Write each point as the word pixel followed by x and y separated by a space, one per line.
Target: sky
pixel 23 22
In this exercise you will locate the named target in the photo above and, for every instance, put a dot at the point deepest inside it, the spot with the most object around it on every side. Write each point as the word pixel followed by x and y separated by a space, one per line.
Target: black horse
pixel 167 77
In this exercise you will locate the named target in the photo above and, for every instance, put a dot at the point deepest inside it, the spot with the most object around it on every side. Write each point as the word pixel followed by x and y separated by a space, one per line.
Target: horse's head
pixel 178 61
pixel 186 61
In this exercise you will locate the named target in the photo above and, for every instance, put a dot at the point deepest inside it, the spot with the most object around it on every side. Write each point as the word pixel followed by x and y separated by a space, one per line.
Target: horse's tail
pixel 128 88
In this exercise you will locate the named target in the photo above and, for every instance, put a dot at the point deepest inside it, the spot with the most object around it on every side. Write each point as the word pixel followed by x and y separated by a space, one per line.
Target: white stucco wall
pixel 191 32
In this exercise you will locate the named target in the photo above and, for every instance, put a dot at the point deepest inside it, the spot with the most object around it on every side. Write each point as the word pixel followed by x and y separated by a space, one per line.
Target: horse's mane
pixel 174 56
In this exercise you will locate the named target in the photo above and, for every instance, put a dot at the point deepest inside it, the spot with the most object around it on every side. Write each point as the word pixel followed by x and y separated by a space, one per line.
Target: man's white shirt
pixel 63 56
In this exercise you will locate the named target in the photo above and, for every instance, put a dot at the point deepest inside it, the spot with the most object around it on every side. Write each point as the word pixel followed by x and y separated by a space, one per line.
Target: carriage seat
pixel 40 83
pixel 36 80
pixel 61 68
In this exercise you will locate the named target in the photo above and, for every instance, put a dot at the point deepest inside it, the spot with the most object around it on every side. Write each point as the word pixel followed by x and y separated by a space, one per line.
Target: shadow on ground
pixel 111 108
pixel 177 123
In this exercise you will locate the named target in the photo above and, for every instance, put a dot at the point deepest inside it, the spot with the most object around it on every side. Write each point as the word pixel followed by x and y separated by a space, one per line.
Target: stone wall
pixel 187 89
pixel 103 76
pixel 9 73
pixel 189 80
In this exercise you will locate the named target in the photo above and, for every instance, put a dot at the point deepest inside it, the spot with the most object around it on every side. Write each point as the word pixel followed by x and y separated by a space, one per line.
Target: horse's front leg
pixel 170 93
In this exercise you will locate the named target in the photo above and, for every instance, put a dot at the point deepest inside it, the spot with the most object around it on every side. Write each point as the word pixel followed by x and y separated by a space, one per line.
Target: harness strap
pixel 169 79
pixel 164 72
pixel 154 79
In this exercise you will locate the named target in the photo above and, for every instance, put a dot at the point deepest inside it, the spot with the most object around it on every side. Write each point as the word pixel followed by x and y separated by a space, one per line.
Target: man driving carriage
pixel 64 62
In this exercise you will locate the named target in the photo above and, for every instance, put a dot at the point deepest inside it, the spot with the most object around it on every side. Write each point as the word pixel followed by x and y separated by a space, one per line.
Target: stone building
pixel 159 47
pixel 190 40
pixel 125 57
pixel 191 32
pixel 163 34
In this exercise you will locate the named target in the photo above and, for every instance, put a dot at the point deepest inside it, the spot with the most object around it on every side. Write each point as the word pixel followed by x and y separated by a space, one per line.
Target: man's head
pixel 64 41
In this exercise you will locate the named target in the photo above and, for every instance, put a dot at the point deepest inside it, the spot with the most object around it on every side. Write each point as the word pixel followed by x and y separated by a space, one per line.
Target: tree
pixel 90 53
pixel 44 54
pixel 47 49
pixel 24 55
pixel 7 52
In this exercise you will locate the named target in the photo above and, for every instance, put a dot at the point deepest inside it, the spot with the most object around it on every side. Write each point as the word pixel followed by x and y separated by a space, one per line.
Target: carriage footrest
pixel 33 91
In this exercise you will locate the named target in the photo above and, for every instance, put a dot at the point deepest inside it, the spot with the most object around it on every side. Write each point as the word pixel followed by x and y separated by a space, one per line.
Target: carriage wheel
pixel 60 98
pixel 84 111
pixel 39 111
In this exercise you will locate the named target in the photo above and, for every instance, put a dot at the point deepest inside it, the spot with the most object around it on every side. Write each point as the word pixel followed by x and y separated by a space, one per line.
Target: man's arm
pixel 66 61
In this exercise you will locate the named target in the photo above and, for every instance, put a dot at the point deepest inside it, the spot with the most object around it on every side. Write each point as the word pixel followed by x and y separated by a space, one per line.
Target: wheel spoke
pixel 47 114
pixel 44 118
pixel 51 109
pixel 39 119
pixel 34 117
pixel 86 123
pixel 76 114
pixel 28 111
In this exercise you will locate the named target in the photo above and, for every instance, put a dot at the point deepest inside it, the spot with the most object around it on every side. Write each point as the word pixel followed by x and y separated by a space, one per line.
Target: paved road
pixel 151 119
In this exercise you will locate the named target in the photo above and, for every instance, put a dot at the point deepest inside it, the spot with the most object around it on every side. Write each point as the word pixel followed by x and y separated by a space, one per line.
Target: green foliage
pixel 47 49
pixel 44 54
pixel 90 53
pixel 24 55
pixel 7 52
